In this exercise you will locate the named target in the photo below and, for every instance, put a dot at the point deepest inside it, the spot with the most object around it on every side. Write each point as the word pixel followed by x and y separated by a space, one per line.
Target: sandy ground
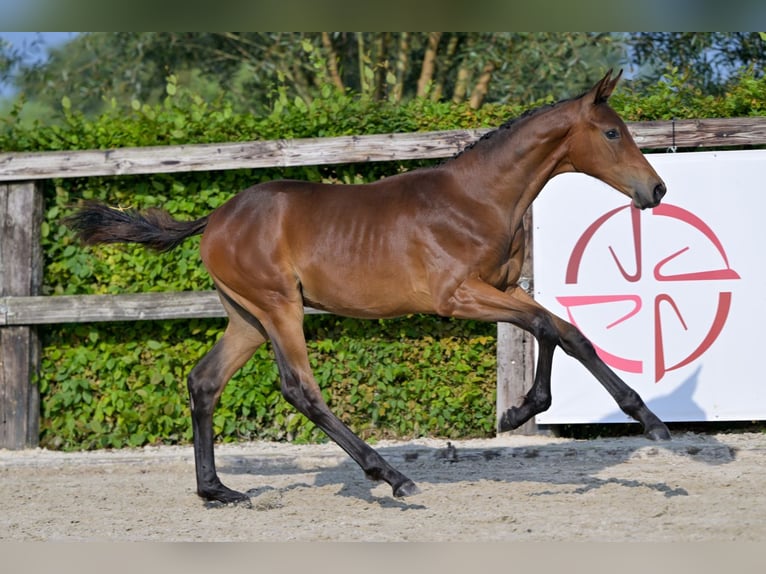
pixel 696 487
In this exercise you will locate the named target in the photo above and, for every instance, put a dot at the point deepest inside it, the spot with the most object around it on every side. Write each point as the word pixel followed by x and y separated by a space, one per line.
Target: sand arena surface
pixel 696 487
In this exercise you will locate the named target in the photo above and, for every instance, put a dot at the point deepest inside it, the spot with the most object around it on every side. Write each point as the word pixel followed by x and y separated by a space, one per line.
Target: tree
pixel 477 67
pixel 710 58
pixel 247 68
pixel 9 58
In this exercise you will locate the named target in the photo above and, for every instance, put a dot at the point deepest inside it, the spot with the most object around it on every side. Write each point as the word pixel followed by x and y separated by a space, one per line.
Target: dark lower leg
pixel 538 399
pixel 209 486
pixel 372 463
pixel 302 392
pixel 631 403
pixel 206 382
pixel 626 398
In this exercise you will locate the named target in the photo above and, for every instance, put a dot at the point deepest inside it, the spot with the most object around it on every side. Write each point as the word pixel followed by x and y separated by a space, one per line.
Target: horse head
pixel 601 146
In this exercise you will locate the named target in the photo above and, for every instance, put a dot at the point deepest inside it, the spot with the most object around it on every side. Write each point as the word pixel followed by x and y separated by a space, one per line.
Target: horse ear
pixel 604 88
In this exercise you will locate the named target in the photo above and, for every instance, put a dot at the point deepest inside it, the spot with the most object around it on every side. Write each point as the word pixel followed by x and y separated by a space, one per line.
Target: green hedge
pixel 116 384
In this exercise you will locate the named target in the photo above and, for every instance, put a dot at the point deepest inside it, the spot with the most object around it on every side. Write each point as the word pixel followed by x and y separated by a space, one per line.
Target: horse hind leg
pixel 206 382
pixel 301 390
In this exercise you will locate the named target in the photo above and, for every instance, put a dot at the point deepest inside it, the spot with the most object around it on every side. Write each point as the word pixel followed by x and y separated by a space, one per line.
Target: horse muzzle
pixel 650 200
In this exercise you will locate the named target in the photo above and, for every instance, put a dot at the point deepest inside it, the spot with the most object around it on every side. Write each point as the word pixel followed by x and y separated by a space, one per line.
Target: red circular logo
pixel 656 272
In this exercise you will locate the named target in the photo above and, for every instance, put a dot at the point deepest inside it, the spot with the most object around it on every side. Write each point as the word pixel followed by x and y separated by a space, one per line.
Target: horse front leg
pixel 578 346
pixel 475 299
pixel 538 398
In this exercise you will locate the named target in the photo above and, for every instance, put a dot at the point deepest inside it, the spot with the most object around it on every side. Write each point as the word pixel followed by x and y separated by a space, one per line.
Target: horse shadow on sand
pixel 572 465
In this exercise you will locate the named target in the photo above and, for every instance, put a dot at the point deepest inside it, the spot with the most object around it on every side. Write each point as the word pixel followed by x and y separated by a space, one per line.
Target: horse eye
pixel 612 134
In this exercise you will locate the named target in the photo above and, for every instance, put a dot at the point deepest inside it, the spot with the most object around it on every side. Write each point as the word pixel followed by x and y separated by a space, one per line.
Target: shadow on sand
pixel 571 465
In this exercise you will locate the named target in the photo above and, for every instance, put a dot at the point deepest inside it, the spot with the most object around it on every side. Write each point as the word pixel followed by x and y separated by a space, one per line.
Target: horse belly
pixel 364 293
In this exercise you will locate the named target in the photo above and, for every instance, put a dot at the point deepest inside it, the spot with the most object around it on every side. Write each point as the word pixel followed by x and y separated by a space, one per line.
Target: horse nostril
pixel 659 192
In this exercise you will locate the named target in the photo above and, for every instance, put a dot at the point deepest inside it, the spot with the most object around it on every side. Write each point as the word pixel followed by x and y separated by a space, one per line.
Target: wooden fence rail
pixel 22 307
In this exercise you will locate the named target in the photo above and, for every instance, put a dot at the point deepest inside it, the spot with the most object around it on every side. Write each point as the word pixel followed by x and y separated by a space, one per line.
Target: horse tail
pixel 96 222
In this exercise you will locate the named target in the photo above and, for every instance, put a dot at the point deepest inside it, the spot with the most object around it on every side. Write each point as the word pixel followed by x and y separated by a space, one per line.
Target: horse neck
pixel 510 169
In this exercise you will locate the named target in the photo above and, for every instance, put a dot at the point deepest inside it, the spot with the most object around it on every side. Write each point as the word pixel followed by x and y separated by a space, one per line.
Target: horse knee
pixel 544 329
pixel 575 344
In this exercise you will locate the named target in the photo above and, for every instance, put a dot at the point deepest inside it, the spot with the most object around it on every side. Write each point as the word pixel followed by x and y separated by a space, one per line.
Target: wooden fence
pixel 22 308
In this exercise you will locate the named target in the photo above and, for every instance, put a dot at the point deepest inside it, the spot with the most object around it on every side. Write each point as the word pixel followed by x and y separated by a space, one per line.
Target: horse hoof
pixel 225 495
pixel 658 432
pixel 407 488
pixel 509 420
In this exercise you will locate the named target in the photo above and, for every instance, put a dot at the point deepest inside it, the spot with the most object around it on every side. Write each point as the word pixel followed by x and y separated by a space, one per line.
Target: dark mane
pixel 510 125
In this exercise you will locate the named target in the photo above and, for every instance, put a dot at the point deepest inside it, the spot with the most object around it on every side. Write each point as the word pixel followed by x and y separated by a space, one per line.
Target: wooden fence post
pixel 515 372
pixel 21 207
pixel 516 351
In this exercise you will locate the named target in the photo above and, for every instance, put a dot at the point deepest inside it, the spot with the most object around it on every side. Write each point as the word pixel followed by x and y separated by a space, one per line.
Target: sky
pixel 26 42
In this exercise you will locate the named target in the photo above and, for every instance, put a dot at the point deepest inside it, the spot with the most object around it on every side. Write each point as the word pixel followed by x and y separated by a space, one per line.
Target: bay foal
pixel 447 240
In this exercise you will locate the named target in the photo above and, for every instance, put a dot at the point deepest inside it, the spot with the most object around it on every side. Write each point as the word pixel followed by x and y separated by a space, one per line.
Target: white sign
pixel 673 298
